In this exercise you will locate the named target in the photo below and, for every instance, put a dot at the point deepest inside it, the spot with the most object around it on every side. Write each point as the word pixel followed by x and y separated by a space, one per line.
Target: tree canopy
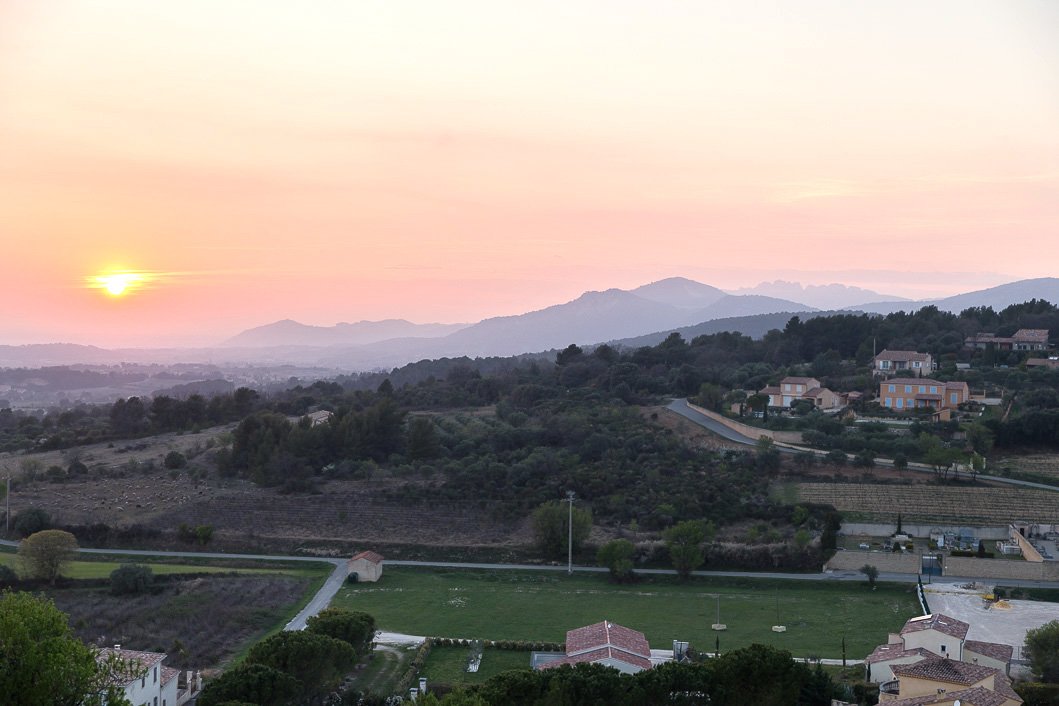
pixel 45 553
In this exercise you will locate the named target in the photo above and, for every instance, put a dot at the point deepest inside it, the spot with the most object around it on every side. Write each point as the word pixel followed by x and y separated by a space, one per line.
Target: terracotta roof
pixel 816 392
pixel 977 696
pixel 903 355
pixel 946 670
pixel 798 381
pixel 937 621
pixel 1031 335
pixel 607 634
pixel 1042 362
pixel 168 674
pixel 770 390
pixel 896 650
pixel 956 385
pixel 599 655
pixel 136 664
pixel 369 556
pixel 912 381
pixel 990 649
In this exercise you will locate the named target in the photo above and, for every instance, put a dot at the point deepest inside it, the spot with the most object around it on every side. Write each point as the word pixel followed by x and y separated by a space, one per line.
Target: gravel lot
pixel 1006 626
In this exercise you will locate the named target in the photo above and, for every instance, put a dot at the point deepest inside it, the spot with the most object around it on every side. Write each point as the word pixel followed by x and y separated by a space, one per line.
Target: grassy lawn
pixel 498 605
pixel 383 669
pixel 448 665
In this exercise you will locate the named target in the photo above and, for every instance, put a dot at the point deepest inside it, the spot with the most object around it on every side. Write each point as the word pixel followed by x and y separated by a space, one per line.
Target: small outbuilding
pixel 366 566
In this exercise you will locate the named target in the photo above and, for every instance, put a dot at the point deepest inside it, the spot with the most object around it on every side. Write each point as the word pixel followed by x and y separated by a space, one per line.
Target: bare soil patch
pixel 200 623
pixel 695 436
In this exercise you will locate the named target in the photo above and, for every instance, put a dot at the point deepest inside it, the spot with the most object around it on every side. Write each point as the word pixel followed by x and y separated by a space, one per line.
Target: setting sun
pixel 118 284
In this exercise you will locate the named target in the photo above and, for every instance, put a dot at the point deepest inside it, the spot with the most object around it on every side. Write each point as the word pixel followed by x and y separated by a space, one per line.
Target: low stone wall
pixel 972 567
pixel 891 562
pixel 785 437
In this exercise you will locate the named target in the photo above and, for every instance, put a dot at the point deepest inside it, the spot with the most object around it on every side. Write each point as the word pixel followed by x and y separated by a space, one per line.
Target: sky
pixel 336 161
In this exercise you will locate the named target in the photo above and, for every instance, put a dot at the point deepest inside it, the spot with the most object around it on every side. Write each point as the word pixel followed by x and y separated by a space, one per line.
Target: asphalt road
pixel 681 407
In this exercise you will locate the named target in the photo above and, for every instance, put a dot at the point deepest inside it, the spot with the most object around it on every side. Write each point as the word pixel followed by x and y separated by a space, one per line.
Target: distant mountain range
pixel 641 316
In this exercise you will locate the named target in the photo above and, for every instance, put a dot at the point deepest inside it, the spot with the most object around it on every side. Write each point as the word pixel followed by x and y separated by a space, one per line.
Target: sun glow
pixel 118 284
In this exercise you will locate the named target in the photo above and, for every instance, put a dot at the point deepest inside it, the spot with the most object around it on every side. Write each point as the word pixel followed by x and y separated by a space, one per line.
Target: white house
pixel 606 643
pixel 147 682
pixel 367 566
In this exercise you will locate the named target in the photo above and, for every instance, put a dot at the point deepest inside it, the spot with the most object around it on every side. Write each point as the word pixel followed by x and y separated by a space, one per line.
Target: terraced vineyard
pixel 1037 464
pixel 935 503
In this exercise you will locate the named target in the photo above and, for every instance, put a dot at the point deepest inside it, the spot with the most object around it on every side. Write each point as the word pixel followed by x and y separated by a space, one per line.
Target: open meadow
pixel 542 606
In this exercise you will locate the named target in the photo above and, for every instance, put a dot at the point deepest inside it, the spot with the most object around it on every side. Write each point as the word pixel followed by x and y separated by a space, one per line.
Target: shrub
pixel 30 521
pixel 8 577
pixel 131 579
pixel 174 460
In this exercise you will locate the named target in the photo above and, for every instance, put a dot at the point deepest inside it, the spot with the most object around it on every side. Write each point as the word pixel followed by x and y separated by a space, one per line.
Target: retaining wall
pixel 883 561
pixel 1001 569
pixel 913 529
pixel 785 437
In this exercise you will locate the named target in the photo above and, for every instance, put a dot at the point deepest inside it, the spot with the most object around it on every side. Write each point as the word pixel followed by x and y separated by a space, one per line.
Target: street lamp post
pixel 570 533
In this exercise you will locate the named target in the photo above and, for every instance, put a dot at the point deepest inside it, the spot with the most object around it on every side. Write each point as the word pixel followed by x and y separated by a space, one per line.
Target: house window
pixel 943 648
pixel 893 388
pixel 933 389
pixel 900 402
pixel 889 402
pixel 952 398
pixel 156 677
pixel 884 364
pixel 787 387
pixel 917 364
pixel 922 389
pixel 143 681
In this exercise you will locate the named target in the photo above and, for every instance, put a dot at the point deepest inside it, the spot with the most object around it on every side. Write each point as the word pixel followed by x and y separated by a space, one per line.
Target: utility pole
pixel 570 533
pixel 7 511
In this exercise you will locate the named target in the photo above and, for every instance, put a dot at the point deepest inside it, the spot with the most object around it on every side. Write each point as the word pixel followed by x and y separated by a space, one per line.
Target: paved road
pixel 681 407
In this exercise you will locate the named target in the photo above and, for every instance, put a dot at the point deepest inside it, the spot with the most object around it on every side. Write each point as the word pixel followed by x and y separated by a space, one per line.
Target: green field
pixel 513 605
pixel 448 665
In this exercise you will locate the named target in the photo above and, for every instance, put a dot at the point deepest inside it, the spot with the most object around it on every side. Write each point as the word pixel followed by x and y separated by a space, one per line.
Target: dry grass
pixel 212 619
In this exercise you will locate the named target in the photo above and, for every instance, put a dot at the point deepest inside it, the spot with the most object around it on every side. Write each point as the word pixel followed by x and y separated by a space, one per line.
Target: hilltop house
pixel 930 637
pixel 919 393
pixel 1025 339
pixel 940 681
pixel 147 682
pixel 800 388
pixel 366 566
pixel 605 643
pixel 893 362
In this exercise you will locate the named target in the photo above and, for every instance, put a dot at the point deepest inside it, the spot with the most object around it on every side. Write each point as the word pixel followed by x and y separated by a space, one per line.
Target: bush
pixel 175 459
pixel 131 579
pixel 8 577
pixel 30 521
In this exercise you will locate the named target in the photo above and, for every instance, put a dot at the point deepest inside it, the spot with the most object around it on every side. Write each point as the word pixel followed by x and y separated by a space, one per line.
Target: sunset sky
pixel 447 161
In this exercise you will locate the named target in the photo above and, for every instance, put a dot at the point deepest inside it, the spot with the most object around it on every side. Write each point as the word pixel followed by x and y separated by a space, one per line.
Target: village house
pixel 605 643
pixel 147 682
pixel 1046 363
pixel 908 362
pixel 930 637
pixel 919 393
pixel 791 389
pixel 940 681
pixel 1025 339
pixel 365 566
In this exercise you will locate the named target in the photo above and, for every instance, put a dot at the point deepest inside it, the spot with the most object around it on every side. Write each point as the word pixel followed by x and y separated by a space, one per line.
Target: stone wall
pixel 917 529
pixel 971 567
pixel 885 562
pixel 785 437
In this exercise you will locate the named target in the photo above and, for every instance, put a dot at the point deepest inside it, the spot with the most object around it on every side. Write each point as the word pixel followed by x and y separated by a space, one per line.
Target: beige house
pixel 367 566
pixel 1025 339
pixel 791 389
pixel 940 681
pixel 902 362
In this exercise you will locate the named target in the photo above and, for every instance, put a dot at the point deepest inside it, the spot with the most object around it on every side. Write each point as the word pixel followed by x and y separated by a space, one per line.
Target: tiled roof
pixel 168 674
pixel 946 670
pixel 601 654
pixel 937 621
pixel 977 696
pixel 912 381
pixel 1031 335
pixel 903 355
pixel 816 392
pixel 958 385
pixel 136 663
pixel 607 634
pixel 770 390
pixel 990 649
pixel 1042 362
pixel 369 556
pixel 798 381
pixel 885 653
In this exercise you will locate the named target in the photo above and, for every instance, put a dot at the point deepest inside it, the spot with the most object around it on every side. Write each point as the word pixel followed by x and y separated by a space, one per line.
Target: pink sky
pixel 337 161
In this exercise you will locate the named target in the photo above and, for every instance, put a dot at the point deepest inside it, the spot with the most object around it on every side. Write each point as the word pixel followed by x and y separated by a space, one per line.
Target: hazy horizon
pixel 234 164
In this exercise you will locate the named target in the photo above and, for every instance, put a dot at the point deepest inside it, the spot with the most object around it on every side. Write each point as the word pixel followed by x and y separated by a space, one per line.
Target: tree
pixel 550 523
pixel 45 553
pixel 8 577
pixel 131 579
pixel 981 549
pixel 423 442
pixel 759 403
pixel 30 521
pixel 54 667
pixel 684 541
pixel 871 572
pixel 836 457
pixel 253 683
pixel 570 354
pixel 352 627
pixel 1042 648
pixel 617 555
pixel 319 662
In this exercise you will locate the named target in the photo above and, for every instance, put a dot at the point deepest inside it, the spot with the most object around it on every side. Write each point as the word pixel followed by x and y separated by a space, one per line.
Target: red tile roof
pixel 885 653
pixel 168 674
pixel 903 355
pixel 990 649
pixel 937 621
pixel 946 670
pixel 600 655
pixel 977 696
pixel 605 640
pixel 798 381
pixel 136 664
pixel 1031 335
pixel 369 556
pixel 912 381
